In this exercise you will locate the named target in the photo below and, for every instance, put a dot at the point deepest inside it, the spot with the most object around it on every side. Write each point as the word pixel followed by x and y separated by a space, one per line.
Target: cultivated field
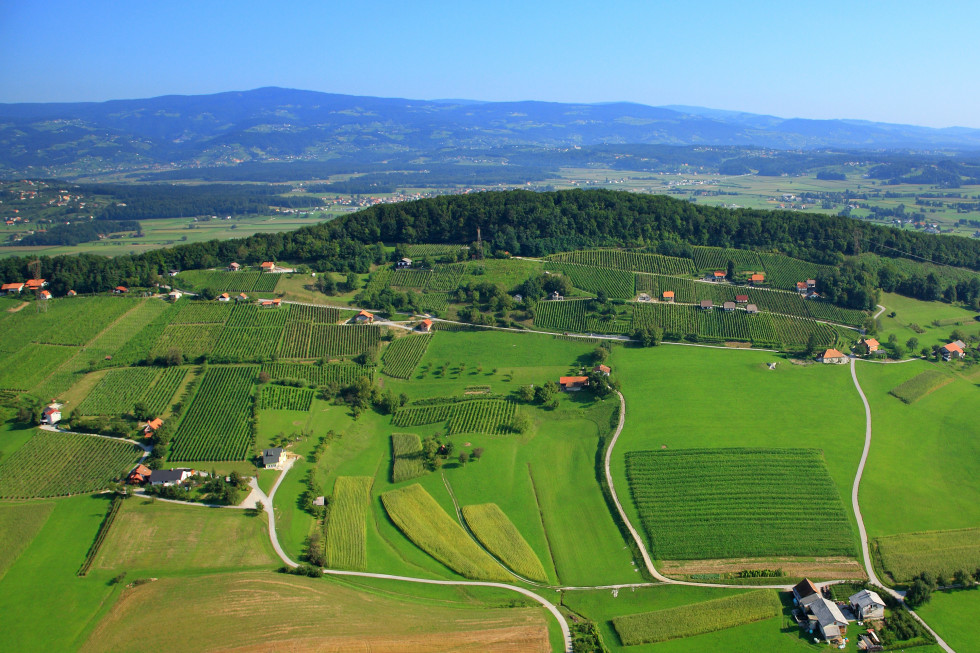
pixel 942 553
pixel 728 503
pixel 346 539
pixel 402 355
pixel 61 464
pixel 216 426
pixel 921 385
pixel 500 537
pixel 406 456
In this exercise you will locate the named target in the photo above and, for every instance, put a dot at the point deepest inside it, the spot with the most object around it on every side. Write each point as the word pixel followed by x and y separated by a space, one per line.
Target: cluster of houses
pixel 143 475
pixel 955 349
pixel 240 297
pixel 807 288
pixel 719 276
pixel 576 383
pixel 31 285
pixel 728 307
pixel 817 614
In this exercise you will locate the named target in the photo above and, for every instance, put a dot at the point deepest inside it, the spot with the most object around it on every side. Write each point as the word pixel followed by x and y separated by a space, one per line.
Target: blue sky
pixel 888 61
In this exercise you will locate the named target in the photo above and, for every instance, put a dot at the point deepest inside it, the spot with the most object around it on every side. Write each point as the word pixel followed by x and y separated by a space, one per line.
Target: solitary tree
pixel 918 593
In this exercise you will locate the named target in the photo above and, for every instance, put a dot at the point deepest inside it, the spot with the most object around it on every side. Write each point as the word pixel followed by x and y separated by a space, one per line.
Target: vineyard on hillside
pixel 615 283
pixel 284 397
pixel 231 282
pixel 191 312
pixel 490 416
pixel 61 464
pixel 699 504
pixel 565 315
pixel 403 354
pixel 248 343
pixel 630 261
pixel 717 258
pixel 784 272
pixel 118 391
pixel 319 375
pixel 217 426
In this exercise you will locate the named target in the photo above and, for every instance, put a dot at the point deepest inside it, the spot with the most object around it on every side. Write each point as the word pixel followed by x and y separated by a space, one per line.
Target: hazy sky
pixel 888 61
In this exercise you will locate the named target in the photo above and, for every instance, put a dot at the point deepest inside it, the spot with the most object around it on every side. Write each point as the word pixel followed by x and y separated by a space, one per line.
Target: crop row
pixel 920 385
pixel 631 261
pixel 347 524
pixel 59 464
pixel 447 277
pixel 406 456
pixel 118 391
pixel 565 315
pixel 342 339
pixel 423 521
pixel 492 416
pixel 216 426
pixel 191 340
pixel 403 354
pixel 412 278
pixel 319 375
pixel 248 343
pixel 727 503
pixel 284 397
pixel 252 315
pixel 717 258
pixel 160 394
pixel 192 312
pixel 315 314
pixel 942 553
pixel 615 283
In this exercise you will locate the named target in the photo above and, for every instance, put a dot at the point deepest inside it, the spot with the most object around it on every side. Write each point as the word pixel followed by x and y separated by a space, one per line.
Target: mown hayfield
pixel 498 535
pixel 934 443
pixel 920 385
pixel 698 618
pixel 347 524
pixel 268 611
pixel 406 456
pixel 954 616
pixel 907 555
pixel 19 523
pixel 729 503
pixel 60 464
pixel 216 426
pixel 160 537
pixel 422 520
pixel 402 355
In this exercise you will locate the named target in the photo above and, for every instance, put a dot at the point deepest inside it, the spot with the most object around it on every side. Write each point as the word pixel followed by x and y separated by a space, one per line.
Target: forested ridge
pixel 534 224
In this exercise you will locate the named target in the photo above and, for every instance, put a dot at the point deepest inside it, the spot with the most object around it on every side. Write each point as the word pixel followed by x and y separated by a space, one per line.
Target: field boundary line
pixel 562 623
pixel 865 551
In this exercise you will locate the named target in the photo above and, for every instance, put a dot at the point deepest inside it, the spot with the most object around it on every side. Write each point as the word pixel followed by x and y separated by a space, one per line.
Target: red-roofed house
pixel 51 414
pixel 832 356
pixel 268 266
pixel 45 294
pixel 139 475
pixel 364 316
pixel 602 369
pixel 152 426
pixel 952 350
pixel 234 267
pixel 871 344
pixel 242 297
pixel 801 287
pixel 224 297
pixel 668 295
pixel 742 299
pixel 71 293
pixel 573 383
pixel 758 277
pixel 270 303
pixel 34 284
pixel 11 288
pixel 425 326
pixel 719 275
pixel 120 290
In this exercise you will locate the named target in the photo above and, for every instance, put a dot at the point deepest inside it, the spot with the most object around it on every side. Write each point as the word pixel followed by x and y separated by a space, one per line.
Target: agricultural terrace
pixel 155 537
pixel 499 536
pixel 216 426
pixel 938 435
pixel 403 354
pixel 422 520
pixel 346 530
pixel 942 553
pixel 737 503
pixel 314 614
pixel 61 464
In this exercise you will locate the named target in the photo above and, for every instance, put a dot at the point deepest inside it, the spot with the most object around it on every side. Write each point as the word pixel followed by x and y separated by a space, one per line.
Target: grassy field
pixel 302 614
pixel 19 523
pixel 921 385
pixel 498 535
pixel 914 312
pixel 346 540
pixel 685 397
pixel 159 538
pixel 61 464
pixel 954 616
pixel 690 620
pixel 424 522
pixel 907 555
pixel 932 444
pixel 734 503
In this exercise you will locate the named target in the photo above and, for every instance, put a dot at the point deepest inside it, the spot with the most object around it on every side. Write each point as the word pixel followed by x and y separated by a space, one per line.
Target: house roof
pixel 155 423
pixel 801 284
pixel 741 298
pixel 45 294
pixel 811 282
pixel 168 475
pixel 953 346
pixel 271 455
pixel 234 265
pixel 364 313
pixel 51 410
pixel 426 323
pixel 72 293
pixel 752 308
pixel 243 295
pixel 831 353
pixel 35 283
pixel 142 470
pixel 668 293
pixel 224 294
pixel 122 288
pixel 719 273
pixel 871 342
pixel 706 303
pixel 804 588
pixel 827 613
pixel 758 276
pixel 572 380
pixel 602 368
pixel 175 292
pixel 12 286
pixel 865 598
pixel 268 264
pixel 729 305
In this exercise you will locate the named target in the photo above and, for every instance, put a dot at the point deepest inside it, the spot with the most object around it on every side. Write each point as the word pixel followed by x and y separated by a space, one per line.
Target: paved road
pixel 565 631
pixel 865 551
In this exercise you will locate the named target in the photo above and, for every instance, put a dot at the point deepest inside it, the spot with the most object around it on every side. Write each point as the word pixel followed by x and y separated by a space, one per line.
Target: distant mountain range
pixel 274 124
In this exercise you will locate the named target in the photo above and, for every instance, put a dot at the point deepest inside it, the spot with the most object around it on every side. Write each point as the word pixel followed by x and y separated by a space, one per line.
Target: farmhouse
pixel 11 288
pixel 602 369
pixel 757 278
pixel 826 617
pixel 45 294
pixel 741 299
pixel 425 326
pixel 805 593
pixel 51 414
pixel 668 295
pixel 363 317
pixel 273 458
pixel 224 297
pixel 234 267
pixel 729 306
pixel 404 263
pixel 139 475
pixel 752 308
pixel 270 303
pixel 832 356
pixel 952 350
pixel 71 293
pixel 170 476
pixel 36 284
pixel 555 296
pixel 871 344
pixel 801 287
pixel 573 383
pixel 707 304
pixel 174 295
pixel 867 605
pixel 268 266
pixel 718 275
pixel 152 426
pixel 120 290
pixel 242 297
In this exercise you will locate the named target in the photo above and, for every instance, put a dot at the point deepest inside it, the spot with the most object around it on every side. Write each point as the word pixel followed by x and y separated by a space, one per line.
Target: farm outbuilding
pixel 268 266
pixel 752 308
pixel 51 414
pixel 805 593
pixel 729 306
pixel 273 458
pixel 826 617
pixel 757 278
pixel 832 356
pixel 152 426
pixel 224 297
pixel 425 326
pixel 867 605
pixel 234 267
pixel 573 383
pixel 707 304
pixel 668 295
pixel 11 288
pixel 952 350
pixel 741 299
pixel 602 369
pixel 364 317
